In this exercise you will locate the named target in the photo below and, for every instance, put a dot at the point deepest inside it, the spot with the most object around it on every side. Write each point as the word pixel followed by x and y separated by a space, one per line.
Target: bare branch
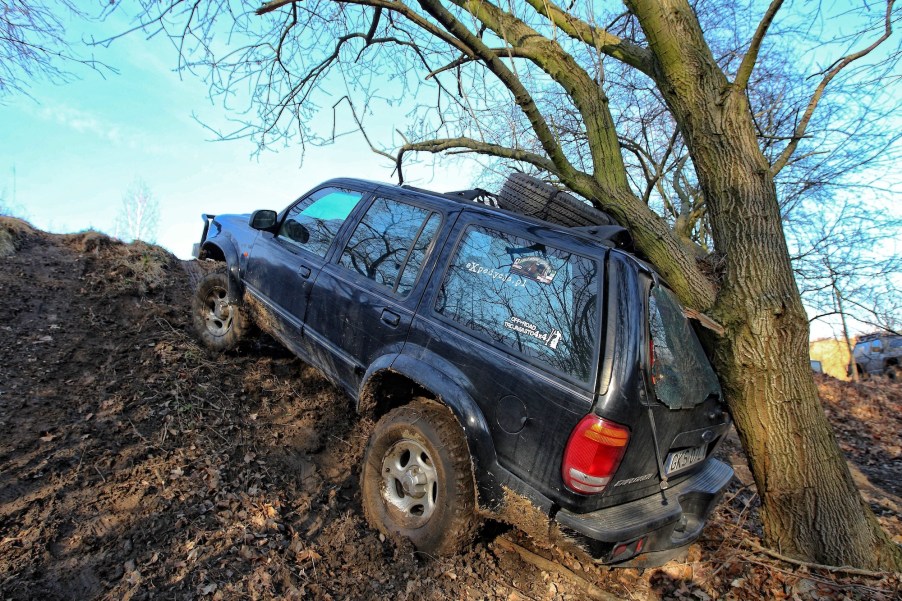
pixel 33 44
pixel 583 90
pixel 475 146
pixel 838 66
pixel 595 37
pixel 751 56
pixel 506 51
pixel 268 7
pixel 360 127
pixel 494 63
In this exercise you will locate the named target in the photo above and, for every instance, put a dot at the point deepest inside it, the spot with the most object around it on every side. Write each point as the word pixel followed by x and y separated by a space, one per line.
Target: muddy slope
pixel 135 465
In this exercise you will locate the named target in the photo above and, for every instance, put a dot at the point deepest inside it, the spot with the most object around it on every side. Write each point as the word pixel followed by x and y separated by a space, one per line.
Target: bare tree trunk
pixel 853 366
pixel 811 507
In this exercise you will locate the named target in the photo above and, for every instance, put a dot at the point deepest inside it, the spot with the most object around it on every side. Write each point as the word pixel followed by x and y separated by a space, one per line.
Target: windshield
pixel 681 373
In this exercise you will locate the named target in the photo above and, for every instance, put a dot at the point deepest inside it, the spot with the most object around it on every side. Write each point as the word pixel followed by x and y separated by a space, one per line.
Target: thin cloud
pixel 82 122
pixel 91 124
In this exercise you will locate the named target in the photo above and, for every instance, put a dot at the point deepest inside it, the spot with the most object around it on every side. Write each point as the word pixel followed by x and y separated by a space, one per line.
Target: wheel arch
pixel 394 381
pixel 224 249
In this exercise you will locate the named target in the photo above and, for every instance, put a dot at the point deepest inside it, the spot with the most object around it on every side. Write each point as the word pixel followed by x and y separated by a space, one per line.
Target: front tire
pixel 417 479
pixel 219 324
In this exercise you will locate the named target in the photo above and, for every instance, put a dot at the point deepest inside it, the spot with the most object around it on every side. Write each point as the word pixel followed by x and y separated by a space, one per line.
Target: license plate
pixel 680 460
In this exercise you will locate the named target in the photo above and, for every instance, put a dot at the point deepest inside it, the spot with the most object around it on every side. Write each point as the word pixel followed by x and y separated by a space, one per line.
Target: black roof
pixel 613 236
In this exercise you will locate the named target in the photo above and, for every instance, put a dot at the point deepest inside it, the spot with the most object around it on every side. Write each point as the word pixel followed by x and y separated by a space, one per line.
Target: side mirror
pixel 263 220
pixel 296 231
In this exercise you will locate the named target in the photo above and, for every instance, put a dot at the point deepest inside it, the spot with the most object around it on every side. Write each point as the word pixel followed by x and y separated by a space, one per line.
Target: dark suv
pixel 518 369
pixel 877 354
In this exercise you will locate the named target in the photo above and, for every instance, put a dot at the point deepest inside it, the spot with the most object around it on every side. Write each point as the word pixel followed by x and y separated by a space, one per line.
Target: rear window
pixel 539 301
pixel 681 373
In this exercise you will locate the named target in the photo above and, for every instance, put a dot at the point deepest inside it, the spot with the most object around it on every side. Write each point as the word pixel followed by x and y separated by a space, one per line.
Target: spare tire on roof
pixel 527 195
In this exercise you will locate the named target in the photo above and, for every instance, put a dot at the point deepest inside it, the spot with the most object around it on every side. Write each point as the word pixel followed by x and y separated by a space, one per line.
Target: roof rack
pixel 477 195
pixel 612 234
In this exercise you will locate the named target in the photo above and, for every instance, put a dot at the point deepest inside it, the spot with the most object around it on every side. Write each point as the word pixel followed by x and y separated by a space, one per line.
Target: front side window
pixel 418 253
pixel 539 301
pixel 313 222
pixel 681 373
pixel 390 243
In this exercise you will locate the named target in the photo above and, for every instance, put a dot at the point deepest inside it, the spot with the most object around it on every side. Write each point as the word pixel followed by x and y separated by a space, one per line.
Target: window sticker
pixel 521 326
pixel 538 269
pixel 505 278
pixel 553 320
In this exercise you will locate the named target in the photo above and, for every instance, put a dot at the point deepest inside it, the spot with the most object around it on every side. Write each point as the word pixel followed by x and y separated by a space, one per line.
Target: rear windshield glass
pixel 539 301
pixel 681 373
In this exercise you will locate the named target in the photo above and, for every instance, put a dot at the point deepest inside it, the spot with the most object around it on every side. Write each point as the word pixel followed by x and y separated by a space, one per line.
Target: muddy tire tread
pixel 241 324
pixel 459 528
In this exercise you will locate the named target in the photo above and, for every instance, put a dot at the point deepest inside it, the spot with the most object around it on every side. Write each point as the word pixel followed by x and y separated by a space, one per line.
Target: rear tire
pixel 529 196
pixel 417 479
pixel 219 324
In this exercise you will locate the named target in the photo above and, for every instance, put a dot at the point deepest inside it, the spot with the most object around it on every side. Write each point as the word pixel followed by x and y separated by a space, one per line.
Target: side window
pixel 418 254
pixel 539 301
pixel 390 243
pixel 313 222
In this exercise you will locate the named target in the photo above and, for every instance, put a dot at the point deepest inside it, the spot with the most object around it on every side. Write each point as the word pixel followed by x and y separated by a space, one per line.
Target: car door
pixel 283 265
pixel 364 299
pixel 869 360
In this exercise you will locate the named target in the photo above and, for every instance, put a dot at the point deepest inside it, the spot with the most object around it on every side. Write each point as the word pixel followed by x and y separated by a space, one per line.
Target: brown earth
pixel 135 465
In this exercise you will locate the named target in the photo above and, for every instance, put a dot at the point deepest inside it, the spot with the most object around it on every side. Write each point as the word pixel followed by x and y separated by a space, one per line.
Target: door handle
pixel 304 271
pixel 390 317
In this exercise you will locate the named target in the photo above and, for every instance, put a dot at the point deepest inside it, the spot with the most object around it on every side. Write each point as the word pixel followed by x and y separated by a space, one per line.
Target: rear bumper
pixel 649 531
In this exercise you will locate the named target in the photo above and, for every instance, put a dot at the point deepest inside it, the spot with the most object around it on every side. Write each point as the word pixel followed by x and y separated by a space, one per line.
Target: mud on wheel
pixel 417 479
pixel 219 324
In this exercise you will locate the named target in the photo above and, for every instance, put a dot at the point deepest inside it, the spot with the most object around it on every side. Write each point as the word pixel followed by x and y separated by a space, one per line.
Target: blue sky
pixel 68 153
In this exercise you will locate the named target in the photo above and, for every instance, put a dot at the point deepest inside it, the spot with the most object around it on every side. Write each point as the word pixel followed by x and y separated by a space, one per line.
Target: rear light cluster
pixel 624 551
pixel 593 454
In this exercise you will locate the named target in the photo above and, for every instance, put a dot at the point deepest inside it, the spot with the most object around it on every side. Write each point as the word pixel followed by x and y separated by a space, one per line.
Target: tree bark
pixel 811 507
pixel 853 366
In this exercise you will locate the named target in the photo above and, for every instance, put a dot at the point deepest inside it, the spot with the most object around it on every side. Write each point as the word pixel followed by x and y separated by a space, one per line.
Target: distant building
pixel 832 355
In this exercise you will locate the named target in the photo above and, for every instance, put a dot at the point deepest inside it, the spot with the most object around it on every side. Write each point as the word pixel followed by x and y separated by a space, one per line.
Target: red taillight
pixel 593 454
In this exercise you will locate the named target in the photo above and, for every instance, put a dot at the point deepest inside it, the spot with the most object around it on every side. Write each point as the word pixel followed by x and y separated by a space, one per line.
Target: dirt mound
pixel 135 465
